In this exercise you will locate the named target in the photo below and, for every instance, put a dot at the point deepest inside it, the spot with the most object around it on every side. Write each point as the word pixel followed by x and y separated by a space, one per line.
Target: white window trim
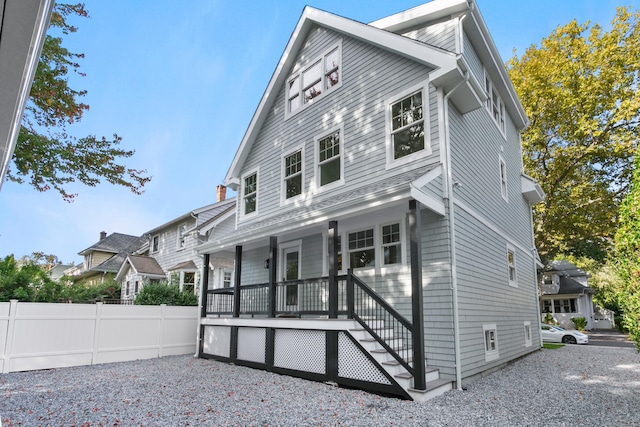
pixel 283 184
pixel 195 280
pixel 294 244
pixel 241 199
pixel 527 336
pixel 489 105
pixel 426 117
pixel 514 282
pixel 154 237
pixel 179 235
pixel 504 182
pixel 325 91
pixel 490 355
pixel 316 160
pixel 401 242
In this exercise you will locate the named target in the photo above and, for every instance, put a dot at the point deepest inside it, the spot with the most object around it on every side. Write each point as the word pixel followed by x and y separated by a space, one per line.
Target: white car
pixel 551 333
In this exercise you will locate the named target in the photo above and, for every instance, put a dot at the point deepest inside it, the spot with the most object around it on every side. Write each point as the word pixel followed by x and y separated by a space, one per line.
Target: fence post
pixel 163 308
pixel 97 326
pixel 13 307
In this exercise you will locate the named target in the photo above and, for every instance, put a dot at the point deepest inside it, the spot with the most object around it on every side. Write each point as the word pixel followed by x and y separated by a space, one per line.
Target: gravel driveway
pixel 575 385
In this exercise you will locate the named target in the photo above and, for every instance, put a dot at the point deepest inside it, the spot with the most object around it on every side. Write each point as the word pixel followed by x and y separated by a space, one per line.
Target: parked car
pixel 551 333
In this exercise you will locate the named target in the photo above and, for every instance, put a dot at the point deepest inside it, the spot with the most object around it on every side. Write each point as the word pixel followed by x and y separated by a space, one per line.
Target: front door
pixel 291 271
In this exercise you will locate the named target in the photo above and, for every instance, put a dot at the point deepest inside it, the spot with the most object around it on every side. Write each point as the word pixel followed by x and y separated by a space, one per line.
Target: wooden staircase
pixel 435 386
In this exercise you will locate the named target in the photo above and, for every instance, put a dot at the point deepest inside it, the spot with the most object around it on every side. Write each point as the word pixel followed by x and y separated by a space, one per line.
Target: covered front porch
pixel 334 328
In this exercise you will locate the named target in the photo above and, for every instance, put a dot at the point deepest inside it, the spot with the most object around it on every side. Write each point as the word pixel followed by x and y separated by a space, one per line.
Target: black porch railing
pixel 310 297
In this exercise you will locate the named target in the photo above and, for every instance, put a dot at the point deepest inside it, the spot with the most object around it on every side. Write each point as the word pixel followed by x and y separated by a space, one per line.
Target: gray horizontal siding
pixel 370 77
pixel 442 35
pixel 470 55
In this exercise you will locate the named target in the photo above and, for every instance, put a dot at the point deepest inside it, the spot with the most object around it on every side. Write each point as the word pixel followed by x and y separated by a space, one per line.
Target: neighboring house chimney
pixel 221 193
pixel 103 235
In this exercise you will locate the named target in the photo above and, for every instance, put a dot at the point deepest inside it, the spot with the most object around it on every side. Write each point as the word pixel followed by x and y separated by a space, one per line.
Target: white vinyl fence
pixel 44 335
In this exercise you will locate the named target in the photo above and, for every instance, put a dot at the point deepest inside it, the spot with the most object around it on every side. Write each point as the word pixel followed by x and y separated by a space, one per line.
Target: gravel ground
pixel 575 385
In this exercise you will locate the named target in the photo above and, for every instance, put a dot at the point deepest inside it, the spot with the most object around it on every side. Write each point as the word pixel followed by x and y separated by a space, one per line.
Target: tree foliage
pixel 164 293
pixel 580 89
pixel 46 156
pixel 627 257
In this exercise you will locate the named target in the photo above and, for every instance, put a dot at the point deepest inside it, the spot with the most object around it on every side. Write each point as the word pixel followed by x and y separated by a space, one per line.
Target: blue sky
pixel 180 81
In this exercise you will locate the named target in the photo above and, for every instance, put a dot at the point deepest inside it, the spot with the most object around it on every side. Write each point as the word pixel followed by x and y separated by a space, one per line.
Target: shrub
pixel 163 293
pixel 549 320
pixel 580 323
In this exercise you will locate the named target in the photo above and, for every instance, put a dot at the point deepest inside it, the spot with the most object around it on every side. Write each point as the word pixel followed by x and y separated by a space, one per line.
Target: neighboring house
pixel 23 25
pixel 383 220
pixel 58 271
pixel 565 293
pixel 168 250
pixel 103 259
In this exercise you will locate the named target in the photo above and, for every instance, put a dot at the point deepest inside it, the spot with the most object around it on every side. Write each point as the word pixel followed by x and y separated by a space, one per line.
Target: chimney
pixel 221 193
pixel 103 234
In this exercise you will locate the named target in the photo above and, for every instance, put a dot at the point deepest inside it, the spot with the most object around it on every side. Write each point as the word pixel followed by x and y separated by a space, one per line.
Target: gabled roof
pixel 212 222
pixel 215 208
pixel 142 265
pixel 570 286
pixel 447 63
pixel 116 243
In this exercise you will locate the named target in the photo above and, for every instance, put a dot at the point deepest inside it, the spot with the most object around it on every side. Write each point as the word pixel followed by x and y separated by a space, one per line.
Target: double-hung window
pixel 503 179
pixel 407 126
pixel 155 244
pixel 391 247
pixel 182 236
pixel 495 106
pixel 511 265
pixel 362 251
pixel 293 174
pixel 329 158
pixel 320 77
pixel 250 193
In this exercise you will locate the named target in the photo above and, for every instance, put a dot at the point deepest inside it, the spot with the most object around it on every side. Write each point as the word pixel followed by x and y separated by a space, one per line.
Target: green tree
pixel 581 90
pixel 627 256
pixel 26 281
pixel 46 156
pixel 164 293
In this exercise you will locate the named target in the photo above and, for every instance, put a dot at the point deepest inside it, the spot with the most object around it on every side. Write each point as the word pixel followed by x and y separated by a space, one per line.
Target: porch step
pixel 384 332
pixel 434 388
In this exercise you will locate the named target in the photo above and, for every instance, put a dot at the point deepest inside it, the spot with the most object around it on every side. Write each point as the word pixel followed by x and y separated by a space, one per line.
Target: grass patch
pixel 552 345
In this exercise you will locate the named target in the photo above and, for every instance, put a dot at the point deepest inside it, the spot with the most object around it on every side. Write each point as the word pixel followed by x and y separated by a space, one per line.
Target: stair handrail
pixel 353 279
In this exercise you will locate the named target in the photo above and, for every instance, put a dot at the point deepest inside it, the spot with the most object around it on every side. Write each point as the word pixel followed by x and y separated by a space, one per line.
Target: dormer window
pixel 320 77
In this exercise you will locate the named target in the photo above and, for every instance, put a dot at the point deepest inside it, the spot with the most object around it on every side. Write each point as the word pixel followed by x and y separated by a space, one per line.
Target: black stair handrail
pixel 390 311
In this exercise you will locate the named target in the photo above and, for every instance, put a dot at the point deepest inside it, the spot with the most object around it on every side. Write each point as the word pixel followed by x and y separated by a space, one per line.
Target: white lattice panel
pixel 355 365
pixel 302 350
pixel 251 344
pixel 217 340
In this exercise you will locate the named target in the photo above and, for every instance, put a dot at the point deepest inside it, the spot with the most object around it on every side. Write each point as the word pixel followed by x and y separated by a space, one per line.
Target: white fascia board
pixel 123 269
pixel 23 26
pixel 228 214
pixel 427 55
pixel 421 14
pixel 425 199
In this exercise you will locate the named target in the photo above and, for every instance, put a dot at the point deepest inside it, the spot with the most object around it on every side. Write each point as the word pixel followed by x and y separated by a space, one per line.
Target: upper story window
pixel 155 244
pixel 293 179
pixel 503 179
pixel 182 234
pixel 329 159
pixel 511 263
pixel 495 106
pixel 406 126
pixel 250 193
pixel 320 77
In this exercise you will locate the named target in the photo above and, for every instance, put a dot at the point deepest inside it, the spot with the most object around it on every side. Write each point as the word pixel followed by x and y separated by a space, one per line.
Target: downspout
pixel 448 187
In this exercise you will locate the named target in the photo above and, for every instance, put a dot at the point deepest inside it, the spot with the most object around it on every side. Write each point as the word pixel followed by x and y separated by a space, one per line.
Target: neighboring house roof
pixel 450 68
pixel 57 271
pixel 214 208
pixel 116 243
pixel 187 265
pixel 142 265
pixel 566 268
pixel 23 25
pixel 216 219
pixel 570 286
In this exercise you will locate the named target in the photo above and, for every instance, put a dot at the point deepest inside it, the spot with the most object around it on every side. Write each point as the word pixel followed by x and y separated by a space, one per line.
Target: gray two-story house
pixel 383 234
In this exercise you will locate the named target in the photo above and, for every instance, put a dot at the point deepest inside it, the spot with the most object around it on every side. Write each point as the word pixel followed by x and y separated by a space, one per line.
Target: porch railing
pixel 310 297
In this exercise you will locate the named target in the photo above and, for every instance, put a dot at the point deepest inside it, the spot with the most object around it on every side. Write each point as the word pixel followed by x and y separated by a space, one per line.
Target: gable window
pixel 503 179
pixel 490 332
pixel 511 265
pixel 362 251
pixel 495 106
pixel 407 126
pixel 182 231
pixel 391 247
pixel 155 244
pixel 329 159
pixel 293 174
pixel 250 193
pixel 315 80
